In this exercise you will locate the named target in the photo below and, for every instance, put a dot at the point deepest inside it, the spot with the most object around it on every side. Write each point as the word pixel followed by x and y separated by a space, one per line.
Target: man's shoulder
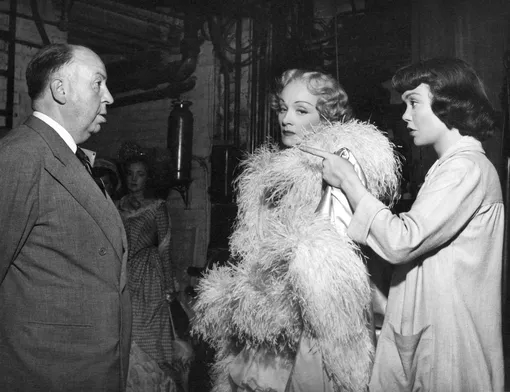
pixel 22 146
pixel 22 135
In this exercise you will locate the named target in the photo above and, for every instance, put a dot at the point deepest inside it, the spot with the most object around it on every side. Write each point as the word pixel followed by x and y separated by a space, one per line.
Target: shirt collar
pixel 66 136
pixel 466 143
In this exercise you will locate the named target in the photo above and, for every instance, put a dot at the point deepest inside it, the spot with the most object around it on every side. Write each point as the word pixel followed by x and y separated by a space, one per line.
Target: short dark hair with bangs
pixel 458 96
pixel 44 64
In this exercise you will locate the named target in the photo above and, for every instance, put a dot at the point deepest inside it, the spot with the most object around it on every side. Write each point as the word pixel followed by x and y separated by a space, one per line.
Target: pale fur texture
pixel 296 273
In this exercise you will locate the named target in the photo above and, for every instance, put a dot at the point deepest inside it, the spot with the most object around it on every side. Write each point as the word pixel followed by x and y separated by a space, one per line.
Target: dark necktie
pixel 84 159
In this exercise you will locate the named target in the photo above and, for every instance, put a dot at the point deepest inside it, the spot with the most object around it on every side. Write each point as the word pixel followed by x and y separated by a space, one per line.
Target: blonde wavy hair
pixel 332 103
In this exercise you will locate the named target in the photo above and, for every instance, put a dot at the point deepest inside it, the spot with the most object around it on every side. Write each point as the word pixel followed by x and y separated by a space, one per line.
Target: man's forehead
pixel 84 56
pixel 84 70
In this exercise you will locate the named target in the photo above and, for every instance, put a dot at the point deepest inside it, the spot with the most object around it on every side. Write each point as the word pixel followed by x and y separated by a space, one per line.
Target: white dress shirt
pixel 58 128
pixel 66 136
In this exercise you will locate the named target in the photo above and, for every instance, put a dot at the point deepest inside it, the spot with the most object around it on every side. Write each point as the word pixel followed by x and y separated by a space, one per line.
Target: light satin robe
pixel 442 328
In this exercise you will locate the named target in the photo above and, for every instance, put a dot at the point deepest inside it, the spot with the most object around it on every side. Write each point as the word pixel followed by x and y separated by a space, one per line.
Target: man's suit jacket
pixel 65 314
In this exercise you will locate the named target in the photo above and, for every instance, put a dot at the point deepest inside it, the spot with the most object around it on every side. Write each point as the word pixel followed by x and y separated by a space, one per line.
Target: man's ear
pixel 58 91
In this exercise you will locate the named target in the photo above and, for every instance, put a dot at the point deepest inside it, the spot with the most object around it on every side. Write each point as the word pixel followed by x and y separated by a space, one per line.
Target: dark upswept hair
pixel 44 64
pixel 332 103
pixel 145 161
pixel 458 95
pixel 138 158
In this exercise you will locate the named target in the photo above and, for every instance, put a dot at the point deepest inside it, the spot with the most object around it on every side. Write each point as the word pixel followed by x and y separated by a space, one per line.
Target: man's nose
pixel 108 98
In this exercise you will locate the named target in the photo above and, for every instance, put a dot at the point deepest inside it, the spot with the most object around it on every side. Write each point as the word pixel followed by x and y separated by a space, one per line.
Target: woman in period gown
pixel 292 314
pixel 154 364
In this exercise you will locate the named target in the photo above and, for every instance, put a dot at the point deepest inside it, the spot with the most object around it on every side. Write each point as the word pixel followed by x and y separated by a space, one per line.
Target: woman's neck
pixel 138 195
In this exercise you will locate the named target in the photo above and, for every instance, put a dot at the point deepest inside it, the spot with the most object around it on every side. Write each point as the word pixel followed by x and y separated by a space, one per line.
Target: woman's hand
pixel 335 169
pixel 339 173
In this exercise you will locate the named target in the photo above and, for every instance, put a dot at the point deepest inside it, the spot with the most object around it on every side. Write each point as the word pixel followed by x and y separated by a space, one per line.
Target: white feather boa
pixel 296 272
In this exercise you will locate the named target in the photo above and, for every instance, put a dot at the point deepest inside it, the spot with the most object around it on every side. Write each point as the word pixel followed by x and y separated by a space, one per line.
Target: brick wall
pixel 146 124
pixel 26 32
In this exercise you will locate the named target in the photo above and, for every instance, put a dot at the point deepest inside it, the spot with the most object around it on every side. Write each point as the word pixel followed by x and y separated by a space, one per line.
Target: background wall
pixel 146 124
pixel 477 31
pixel 369 48
pixel 29 42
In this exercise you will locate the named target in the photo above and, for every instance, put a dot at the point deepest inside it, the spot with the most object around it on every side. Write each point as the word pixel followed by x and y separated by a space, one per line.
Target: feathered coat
pixel 296 273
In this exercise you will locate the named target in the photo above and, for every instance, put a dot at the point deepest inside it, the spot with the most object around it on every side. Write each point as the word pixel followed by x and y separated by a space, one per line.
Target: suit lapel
pixel 68 170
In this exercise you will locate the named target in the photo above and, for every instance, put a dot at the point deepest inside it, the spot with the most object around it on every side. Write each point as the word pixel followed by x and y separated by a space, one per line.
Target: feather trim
pixel 296 272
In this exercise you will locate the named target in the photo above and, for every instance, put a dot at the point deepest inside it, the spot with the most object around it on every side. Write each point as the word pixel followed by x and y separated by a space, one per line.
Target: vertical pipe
pixel 268 64
pixel 254 113
pixel 11 66
pixel 260 96
pixel 237 80
pixel 226 103
pixel 263 97
pixel 264 73
pixel 216 35
pixel 39 22
pixel 226 182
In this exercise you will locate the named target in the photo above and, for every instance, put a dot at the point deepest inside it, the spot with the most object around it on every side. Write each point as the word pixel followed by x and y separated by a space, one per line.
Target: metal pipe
pixel 264 107
pixel 237 85
pixel 39 23
pixel 226 103
pixel 11 66
pixel 214 26
pixel 173 90
pixel 254 89
pixel 262 92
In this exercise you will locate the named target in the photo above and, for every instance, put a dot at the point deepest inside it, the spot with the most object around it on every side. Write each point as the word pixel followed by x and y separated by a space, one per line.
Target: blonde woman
pixel 291 315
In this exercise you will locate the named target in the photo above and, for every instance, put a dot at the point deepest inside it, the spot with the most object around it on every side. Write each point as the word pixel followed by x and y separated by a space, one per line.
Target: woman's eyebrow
pixel 305 102
pixel 408 94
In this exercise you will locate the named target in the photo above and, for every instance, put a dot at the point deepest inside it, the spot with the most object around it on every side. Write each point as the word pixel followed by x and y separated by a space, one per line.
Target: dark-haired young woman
pixel 442 327
pixel 155 362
